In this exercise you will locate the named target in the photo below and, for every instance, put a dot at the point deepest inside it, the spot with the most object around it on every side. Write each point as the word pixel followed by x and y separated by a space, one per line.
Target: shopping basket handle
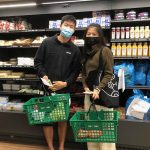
pixel 92 104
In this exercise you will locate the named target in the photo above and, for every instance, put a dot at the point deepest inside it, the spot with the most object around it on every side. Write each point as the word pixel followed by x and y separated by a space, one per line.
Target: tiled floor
pixel 19 146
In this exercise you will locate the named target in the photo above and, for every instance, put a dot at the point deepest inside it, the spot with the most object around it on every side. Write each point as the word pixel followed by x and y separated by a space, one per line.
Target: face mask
pixel 90 41
pixel 66 32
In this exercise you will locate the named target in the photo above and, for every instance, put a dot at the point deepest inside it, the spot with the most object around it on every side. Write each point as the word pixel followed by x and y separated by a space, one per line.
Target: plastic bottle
pixel 129 50
pixel 118 51
pixel 132 33
pixel 127 33
pixel 140 50
pixel 134 50
pixel 142 32
pixel 124 50
pixel 122 32
pixel 145 49
pixel 117 32
pixel 113 49
pixel 147 32
pixel 137 32
pixel 113 33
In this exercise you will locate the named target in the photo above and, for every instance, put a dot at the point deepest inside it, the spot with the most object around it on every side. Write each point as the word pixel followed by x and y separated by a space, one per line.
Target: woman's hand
pixel 86 89
pixel 95 94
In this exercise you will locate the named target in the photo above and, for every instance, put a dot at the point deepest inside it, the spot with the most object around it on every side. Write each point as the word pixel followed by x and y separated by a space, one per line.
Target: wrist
pixel 97 90
pixel 65 84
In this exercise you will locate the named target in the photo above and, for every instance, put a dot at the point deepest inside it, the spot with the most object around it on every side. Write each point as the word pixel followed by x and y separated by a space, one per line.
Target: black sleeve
pixel 39 60
pixel 76 68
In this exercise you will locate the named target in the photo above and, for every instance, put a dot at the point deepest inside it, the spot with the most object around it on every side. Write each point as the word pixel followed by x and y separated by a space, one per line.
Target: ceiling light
pixel 18 5
pixel 72 1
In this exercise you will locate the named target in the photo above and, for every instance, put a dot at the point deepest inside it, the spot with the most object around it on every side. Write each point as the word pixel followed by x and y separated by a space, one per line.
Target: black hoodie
pixel 59 61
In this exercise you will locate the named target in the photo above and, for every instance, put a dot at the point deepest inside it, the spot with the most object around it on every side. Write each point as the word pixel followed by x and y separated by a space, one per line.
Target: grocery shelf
pixel 17 93
pixel 129 40
pixel 17 66
pixel 117 58
pixel 41 30
pixel 27 47
pixel 12 111
pixel 20 79
pixel 130 21
pixel 139 87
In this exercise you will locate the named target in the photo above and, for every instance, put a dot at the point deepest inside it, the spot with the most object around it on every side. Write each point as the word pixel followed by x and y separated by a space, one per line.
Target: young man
pixel 58 59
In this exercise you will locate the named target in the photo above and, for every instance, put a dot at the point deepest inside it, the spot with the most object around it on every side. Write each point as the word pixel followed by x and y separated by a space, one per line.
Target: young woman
pixel 94 47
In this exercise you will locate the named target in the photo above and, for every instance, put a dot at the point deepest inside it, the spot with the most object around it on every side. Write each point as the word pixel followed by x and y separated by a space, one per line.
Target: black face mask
pixel 90 41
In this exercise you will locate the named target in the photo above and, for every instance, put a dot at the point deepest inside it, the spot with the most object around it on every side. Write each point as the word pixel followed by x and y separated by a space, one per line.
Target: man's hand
pixel 45 77
pixel 58 85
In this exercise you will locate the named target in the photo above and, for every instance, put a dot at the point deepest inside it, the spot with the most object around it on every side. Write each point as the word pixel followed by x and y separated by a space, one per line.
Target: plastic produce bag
pixel 140 73
pixel 138 107
pixel 129 74
pixel 148 78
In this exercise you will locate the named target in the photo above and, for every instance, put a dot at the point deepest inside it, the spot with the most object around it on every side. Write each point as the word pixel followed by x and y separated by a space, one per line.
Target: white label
pixel 134 52
pixel 127 35
pixel 118 52
pixel 137 35
pixel 142 34
pixel 132 35
pixel 123 51
pixel 122 35
pixel 139 51
pixel 129 52
pixel 113 35
pixel 113 51
pixel 145 52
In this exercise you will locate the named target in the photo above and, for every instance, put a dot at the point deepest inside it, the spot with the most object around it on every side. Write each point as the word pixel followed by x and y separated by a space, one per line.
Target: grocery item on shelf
pixel 131 15
pixel 127 32
pixel 140 49
pixel 38 40
pixel 147 32
pixel 132 33
pixel 23 42
pixel 145 49
pixel 117 32
pixel 118 51
pixel 137 32
pixel 129 50
pixel 13 106
pixel 15 87
pixel 113 33
pixel 25 61
pixel 142 32
pixel 124 50
pixel 134 50
pixel 122 32
pixel 119 15
pixel 113 49
pixel 143 15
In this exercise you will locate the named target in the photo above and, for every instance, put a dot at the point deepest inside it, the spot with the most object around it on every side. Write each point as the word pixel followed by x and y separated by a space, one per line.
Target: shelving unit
pixel 128 132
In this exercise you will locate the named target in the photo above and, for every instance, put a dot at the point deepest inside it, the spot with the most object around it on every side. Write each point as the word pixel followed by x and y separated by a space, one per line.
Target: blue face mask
pixel 66 32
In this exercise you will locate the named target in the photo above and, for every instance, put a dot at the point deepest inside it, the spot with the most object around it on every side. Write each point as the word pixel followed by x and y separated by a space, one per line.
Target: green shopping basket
pixel 47 109
pixel 95 126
